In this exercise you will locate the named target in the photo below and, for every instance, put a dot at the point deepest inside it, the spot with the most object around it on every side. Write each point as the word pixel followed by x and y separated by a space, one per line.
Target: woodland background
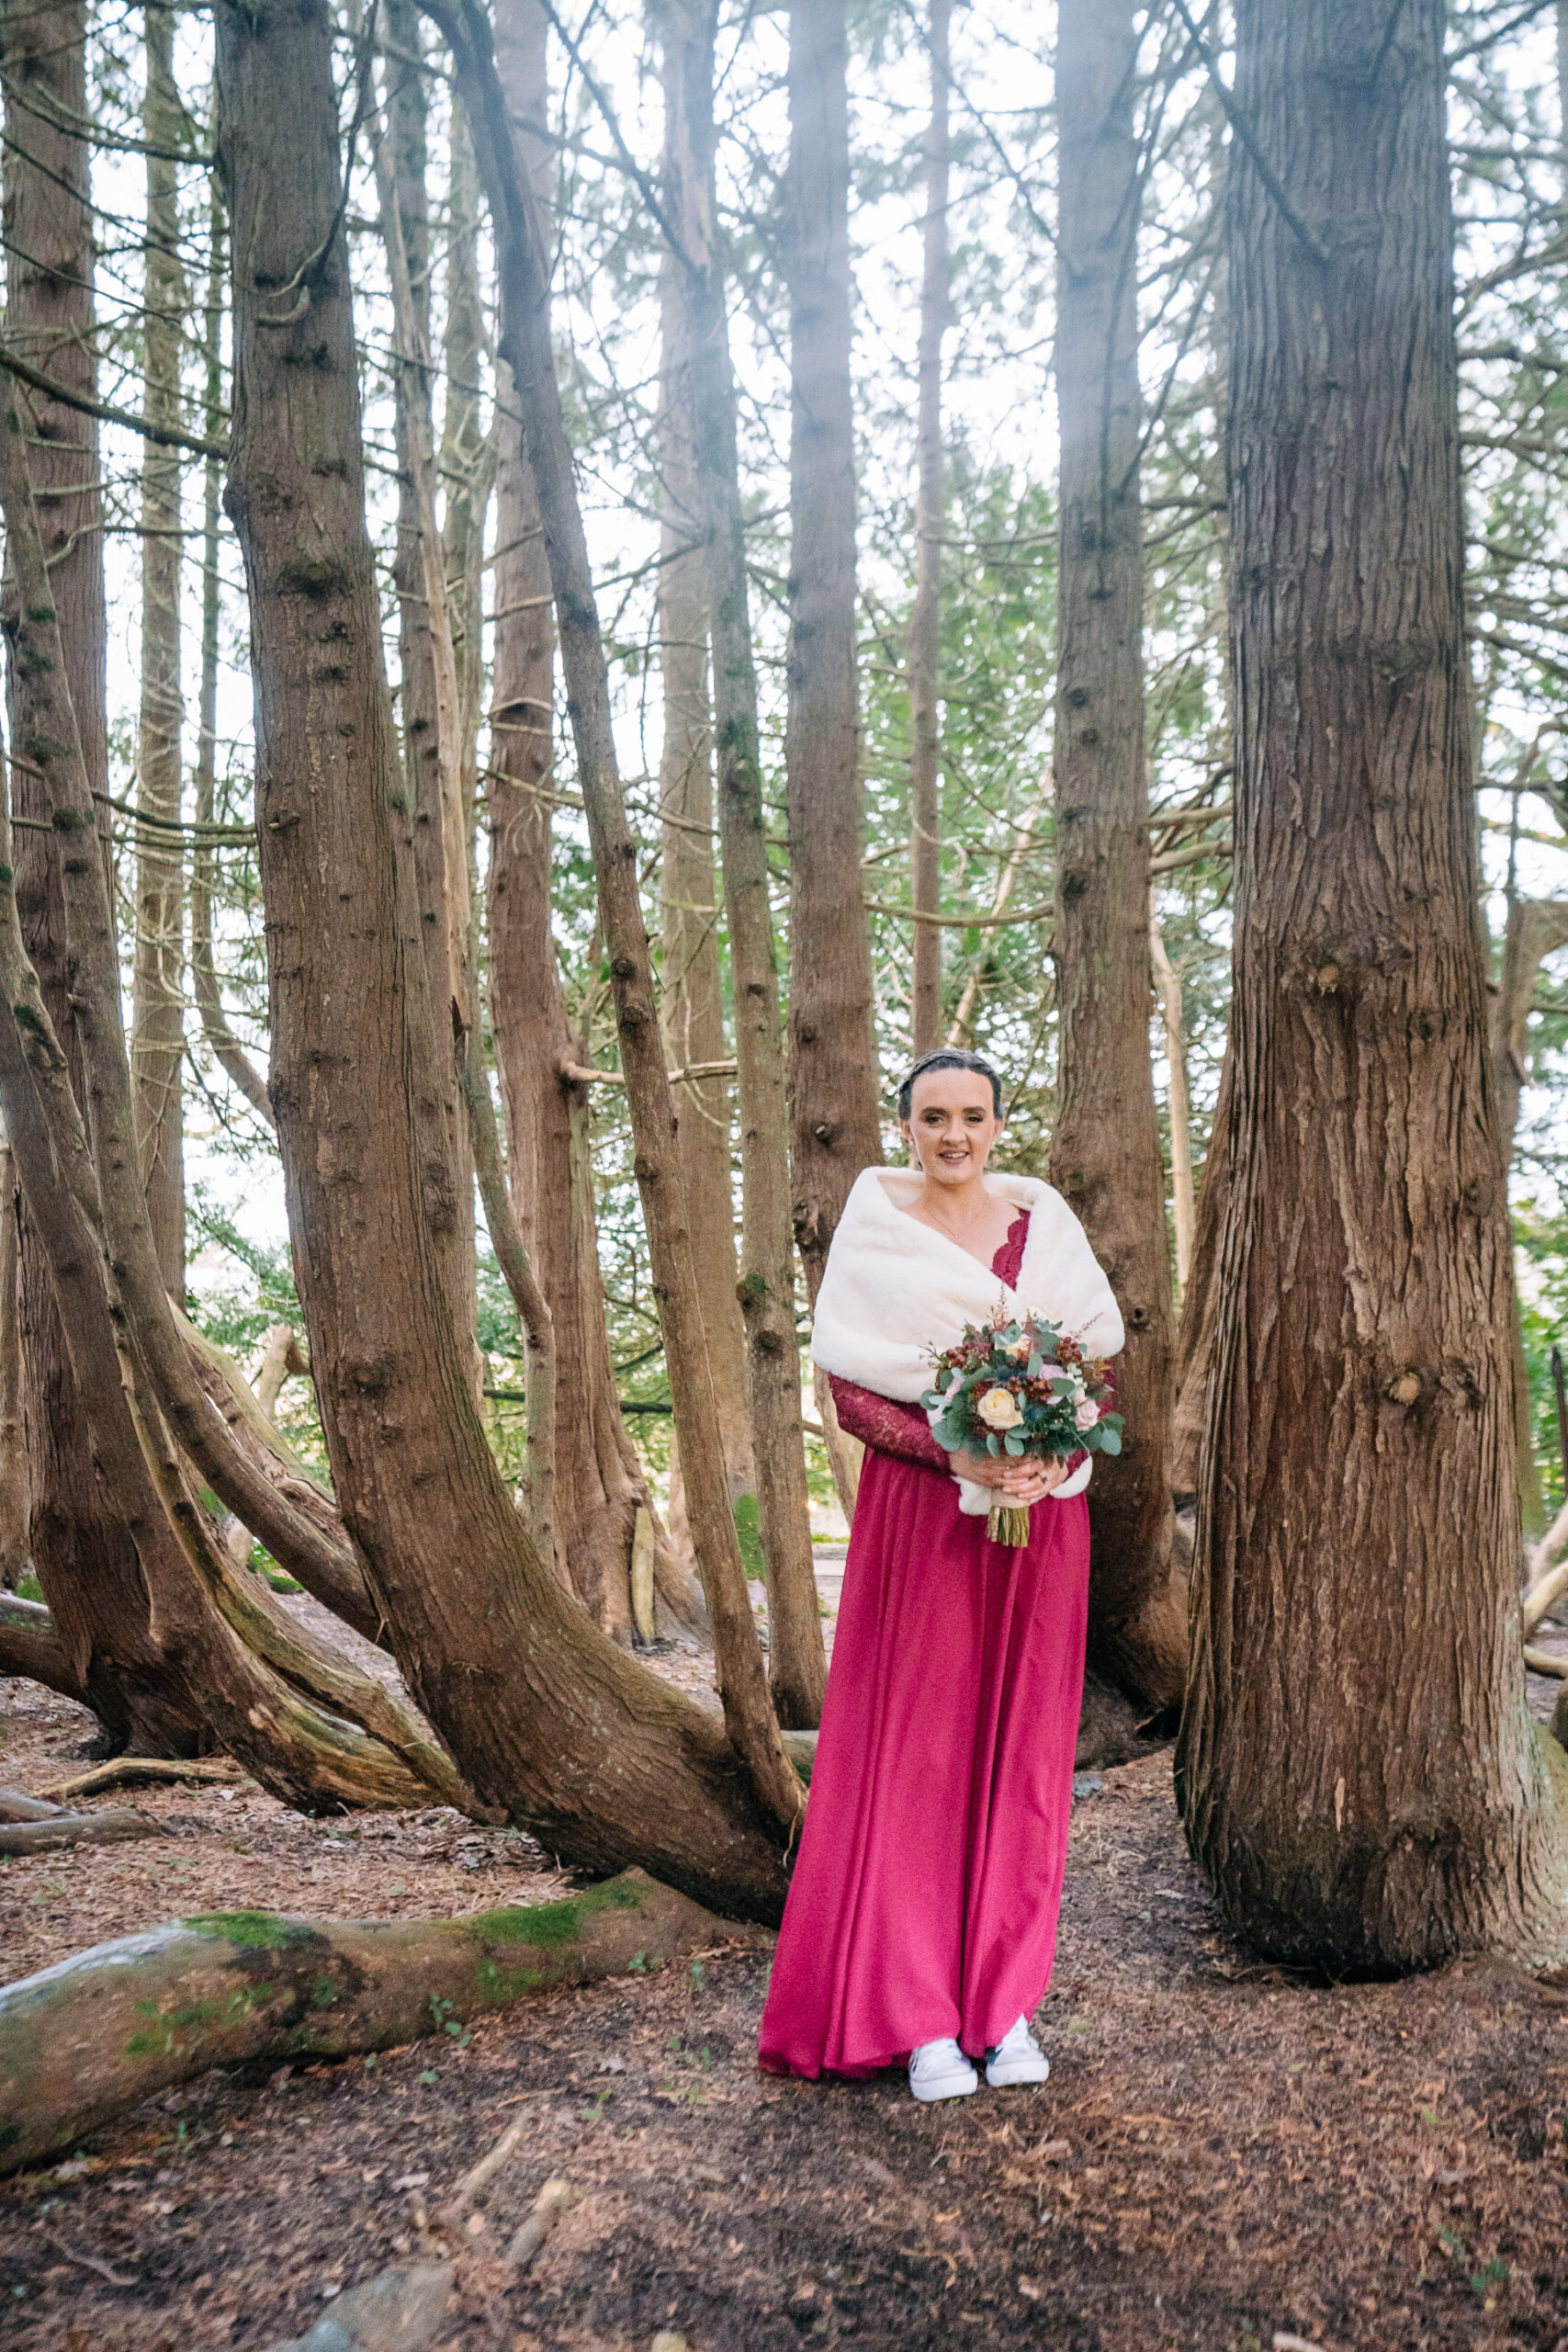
pixel 603 582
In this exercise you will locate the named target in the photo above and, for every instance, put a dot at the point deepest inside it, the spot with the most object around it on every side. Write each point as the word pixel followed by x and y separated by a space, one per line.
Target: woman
pixel 921 1921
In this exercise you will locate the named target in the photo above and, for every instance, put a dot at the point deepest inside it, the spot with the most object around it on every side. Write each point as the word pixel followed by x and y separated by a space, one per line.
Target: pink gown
pixel 926 1892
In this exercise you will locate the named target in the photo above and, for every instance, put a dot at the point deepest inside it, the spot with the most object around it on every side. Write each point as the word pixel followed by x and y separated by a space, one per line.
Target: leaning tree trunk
pixel 600 1484
pixel 525 343
pixel 691 1006
pixel 1105 1155
pixel 85 1559
pixel 1356 1768
pixel 548 1717
pixel 15 1477
pixel 797 1664
pixel 158 1008
pixel 835 1129
pixel 925 621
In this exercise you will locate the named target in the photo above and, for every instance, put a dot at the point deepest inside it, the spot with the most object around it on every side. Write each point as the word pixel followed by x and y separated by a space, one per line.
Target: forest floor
pixel 1226 2155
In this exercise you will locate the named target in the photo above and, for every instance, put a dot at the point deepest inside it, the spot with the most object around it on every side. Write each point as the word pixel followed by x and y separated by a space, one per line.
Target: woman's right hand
pixel 1000 1470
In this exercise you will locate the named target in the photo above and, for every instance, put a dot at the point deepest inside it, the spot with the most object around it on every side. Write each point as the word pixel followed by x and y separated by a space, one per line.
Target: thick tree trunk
pixel 157 1049
pixel 925 621
pixel 835 1129
pixel 109 2027
pixel 85 1559
pixel 1105 1155
pixel 1356 1767
pixel 548 1718
pixel 797 1665
pixel 600 1483
pixel 692 1007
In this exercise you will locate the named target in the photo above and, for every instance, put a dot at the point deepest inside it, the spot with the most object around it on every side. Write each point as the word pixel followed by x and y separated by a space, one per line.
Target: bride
pixel 921 1919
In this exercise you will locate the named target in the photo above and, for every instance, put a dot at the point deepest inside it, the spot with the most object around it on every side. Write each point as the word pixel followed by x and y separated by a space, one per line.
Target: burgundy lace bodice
pixel 903 1430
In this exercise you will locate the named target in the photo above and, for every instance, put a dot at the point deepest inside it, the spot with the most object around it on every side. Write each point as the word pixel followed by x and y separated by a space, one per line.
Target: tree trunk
pixel 433 724
pixel 1357 1771
pixel 1184 1199
pixel 1105 1155
pixel 524 343
pixel 548 1718
pixel 925 621
pixel 87 2040
pixel 157 1049
pixel 467 464
pixel 692 1007
pixel 797 1664
pixel 16 1478
pixel 227 1050
pixel 1195 1333
pixel 600 1482
pixel 835 1129
pixel 1536 928
pixel 85 1559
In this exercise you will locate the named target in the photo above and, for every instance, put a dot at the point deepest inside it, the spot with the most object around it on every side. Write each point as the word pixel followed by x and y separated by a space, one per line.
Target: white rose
pixel 1088 1414
pixel 1000 1410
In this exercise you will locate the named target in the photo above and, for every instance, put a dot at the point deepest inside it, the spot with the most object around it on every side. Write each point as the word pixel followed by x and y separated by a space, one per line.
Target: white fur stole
pixel 896 1290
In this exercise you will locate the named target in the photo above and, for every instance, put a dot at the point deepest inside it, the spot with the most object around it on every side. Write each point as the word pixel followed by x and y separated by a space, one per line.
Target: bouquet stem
pixel 1009 1523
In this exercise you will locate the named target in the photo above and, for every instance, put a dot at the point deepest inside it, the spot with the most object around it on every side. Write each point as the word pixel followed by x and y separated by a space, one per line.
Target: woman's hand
pixel 1021 1478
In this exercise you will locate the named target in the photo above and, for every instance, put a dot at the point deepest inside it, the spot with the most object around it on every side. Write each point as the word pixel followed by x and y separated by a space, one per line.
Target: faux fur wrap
pixel 895 1289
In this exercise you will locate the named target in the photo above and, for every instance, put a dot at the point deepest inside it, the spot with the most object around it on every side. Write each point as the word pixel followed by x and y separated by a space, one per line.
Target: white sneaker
pixel 1017 2058
pixel 940 2070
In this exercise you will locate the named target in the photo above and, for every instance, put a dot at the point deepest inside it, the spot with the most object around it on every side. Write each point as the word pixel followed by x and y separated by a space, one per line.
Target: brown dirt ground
pixel 1224 2152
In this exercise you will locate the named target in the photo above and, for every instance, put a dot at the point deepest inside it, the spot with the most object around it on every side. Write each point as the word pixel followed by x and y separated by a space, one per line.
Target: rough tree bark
pixel 158 987
pixel 925 621
pixel 85 1559
pixel 1105 1155
pixel 432 707
pixel 548 1718
pixel 835 1129
pixel 691 1005
pixel 600 1483
pixel 1357 1769
pixel 797 1665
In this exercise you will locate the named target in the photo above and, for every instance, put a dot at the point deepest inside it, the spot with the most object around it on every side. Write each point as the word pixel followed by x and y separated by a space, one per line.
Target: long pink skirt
pixel 925 1896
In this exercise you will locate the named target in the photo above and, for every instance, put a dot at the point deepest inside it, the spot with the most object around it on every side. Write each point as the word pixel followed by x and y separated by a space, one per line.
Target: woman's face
pixel 951 1126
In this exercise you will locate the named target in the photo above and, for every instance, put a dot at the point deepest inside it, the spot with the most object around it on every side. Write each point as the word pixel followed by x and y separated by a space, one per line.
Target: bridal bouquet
pixel 1019 1386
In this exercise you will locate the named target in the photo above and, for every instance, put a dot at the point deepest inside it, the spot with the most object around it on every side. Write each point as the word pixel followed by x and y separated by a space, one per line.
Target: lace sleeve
pixel 899 1429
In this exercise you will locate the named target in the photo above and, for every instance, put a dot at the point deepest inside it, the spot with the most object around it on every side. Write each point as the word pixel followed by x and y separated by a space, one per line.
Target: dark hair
pixel 948 1058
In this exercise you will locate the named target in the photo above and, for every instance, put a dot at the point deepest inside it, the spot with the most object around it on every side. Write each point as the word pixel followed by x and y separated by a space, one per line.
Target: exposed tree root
pixel 83 2041
pixel 29 1645
pixel 111 1828
pixel 15 1806
pixel 123 1768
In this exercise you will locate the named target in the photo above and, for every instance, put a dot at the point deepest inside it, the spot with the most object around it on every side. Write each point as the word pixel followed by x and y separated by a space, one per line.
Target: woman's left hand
pixel 1028 1480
